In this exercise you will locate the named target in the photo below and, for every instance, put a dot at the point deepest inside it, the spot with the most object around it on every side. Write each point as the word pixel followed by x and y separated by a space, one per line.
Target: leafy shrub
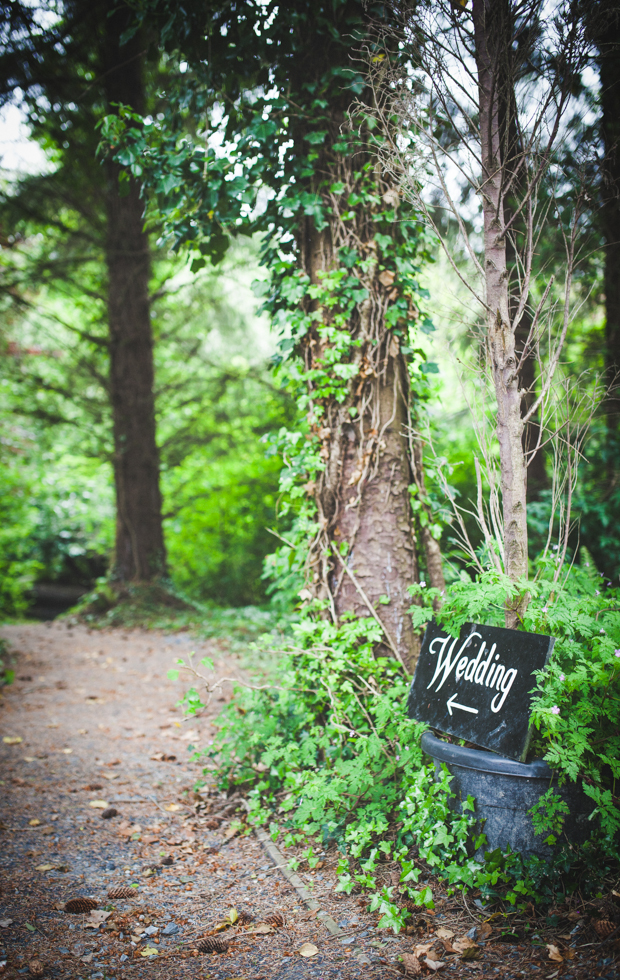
pixel 327 751
pixel 7 673
pixel 17 520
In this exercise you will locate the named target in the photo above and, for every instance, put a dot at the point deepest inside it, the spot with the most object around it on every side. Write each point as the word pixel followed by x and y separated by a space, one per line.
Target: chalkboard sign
pixel 477 686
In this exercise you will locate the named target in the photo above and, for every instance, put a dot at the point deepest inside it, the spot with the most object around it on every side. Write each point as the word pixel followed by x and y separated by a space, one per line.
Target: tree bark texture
pixel 609 66
pixel 492 42
pixel 139 551
pixel 363 493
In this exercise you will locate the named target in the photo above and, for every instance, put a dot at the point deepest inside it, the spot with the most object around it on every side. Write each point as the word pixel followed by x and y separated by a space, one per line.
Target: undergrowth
pixel 160 606
pixel 326 754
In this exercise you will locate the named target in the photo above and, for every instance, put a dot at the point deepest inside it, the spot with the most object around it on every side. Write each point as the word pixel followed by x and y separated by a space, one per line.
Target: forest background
pixel 217 400
pixel 261 424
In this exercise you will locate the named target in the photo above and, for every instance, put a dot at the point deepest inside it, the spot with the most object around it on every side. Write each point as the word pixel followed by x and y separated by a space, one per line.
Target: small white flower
pixel 422 585
pixel 601 630
pixel 617 652
pixel 597 592
pixel 555 710
pixel 562 677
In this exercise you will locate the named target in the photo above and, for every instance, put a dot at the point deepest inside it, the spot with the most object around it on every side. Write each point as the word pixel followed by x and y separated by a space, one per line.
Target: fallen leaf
pixel 94 700
pixel 485 930
pixel 88 958
pixel 150 839
pixel 444 933
pixel 30 927
pixel 434 964
pixel 66 751
pixel 172 807
pixel 463 943
pixel 99 804
pixel 432 955
pixel 111 775
pixel 5 923
pixel 44 867
pixel 471 953
pixel 149 951
pixel 35 822
pixel 308 949
pixel 262 929
pixel 233 915
pixel 422 950
pixel 554 953
pixel 99 915
pixel 29 758
pixel 12 739
pixel 412 964
pixel 233 830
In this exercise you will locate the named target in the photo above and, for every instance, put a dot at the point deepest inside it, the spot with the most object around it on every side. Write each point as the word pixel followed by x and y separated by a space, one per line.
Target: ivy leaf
pixel 317 137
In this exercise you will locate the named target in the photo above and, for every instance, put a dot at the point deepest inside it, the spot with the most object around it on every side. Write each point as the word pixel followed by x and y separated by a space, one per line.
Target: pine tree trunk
pixel 492 41
pixel 139 551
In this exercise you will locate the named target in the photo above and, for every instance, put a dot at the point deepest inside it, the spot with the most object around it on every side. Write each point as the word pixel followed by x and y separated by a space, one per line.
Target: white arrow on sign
pixel 464 707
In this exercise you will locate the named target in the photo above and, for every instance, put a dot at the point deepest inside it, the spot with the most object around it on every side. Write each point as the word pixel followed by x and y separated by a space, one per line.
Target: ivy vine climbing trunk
pixel 365 554
pixel 139 546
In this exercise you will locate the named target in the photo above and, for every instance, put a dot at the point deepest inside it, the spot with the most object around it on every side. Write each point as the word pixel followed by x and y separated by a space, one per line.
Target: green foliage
pixel 215 406
pixel 7 673
pixel 18 566
pixel 327 754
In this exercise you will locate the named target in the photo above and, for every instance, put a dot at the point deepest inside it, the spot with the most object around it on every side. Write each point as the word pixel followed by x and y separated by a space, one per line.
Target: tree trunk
pixel 365 554
pixel 139 551
pixel 609 64
pixel 492 42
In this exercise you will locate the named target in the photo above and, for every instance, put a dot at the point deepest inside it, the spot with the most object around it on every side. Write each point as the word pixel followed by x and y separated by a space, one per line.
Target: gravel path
pixel 91 721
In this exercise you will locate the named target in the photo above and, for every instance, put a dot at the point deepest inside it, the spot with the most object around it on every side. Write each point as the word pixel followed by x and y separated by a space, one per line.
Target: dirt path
pixel 96 718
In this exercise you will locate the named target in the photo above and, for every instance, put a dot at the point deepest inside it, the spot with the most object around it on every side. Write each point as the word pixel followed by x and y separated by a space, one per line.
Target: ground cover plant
pixel 327 754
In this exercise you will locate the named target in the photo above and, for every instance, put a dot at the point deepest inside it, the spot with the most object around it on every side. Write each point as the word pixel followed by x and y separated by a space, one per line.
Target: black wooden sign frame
pixel 477 686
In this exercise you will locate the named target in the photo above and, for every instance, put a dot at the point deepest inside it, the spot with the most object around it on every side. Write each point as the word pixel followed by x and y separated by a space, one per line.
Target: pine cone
pixel 276 919
pixel 122 891
pixel 412 965
pixel 212 824
pixel 212 944
pixel 244 918
pixel 36 968
pixel 604 928
pixel 77 905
